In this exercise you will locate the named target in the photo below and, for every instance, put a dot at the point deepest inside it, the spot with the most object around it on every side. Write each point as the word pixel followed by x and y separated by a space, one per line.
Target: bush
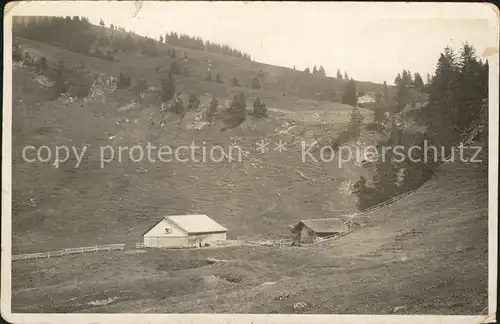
pixel 17 54
pixel 259 109
pixel 167 88
pixel 208 77
pixel 41 64
pixel 82 87
pixel 218 79
pixel 235 82
pixel 255 83
pixel 59 86
pixel 174 68
pixel 212 110
pixel 109 56
pixel 194 102
pixel 28 60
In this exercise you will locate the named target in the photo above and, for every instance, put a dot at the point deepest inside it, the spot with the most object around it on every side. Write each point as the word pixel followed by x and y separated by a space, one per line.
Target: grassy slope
pixel 441 270
pixel 90 205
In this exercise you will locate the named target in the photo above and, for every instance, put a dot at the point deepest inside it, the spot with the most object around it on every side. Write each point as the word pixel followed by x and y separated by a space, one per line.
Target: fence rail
pixel 59 253
pixel 378 206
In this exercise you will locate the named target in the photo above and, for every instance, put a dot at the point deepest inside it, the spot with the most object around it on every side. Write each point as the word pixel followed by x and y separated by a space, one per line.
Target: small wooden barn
pixel 305 231
pixel 178 231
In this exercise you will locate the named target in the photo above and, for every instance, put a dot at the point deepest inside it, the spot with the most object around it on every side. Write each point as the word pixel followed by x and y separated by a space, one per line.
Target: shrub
pixel 174 68
pixel 167 88
pixel 208 77
pixel 255 83
pixel 17 54
pixel 212 110
pixel 235 82
pixel 41 64
pixel 82 87
pixel 194 102
pixel 218 78
pixel 236 114
pixel 178 106
pixel 259 109
pixel 28 60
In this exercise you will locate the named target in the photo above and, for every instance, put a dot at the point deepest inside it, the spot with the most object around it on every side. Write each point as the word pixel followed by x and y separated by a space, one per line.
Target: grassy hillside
pixel 63 207
pixel 426 253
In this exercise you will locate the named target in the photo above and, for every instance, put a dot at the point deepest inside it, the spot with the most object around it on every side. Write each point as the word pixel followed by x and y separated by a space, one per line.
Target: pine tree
pixel 218 79
pixel 471 86
pixel 417 81
pixel 386 93
pixel 355 122
pixel 175 68
pixel 101 23
pixel 123 82
pixel 315 70
pixel 168 88
pixel 161 39
pixel 443 98
pixel 193 102
pixel 236 114
pixel 59 86
pixel 322 71
pixel 212 110
pixel 255 83
pixel 259 109
pixel 307 70
pixel 339 75
pixel 386 179
pixel 41 65
pixel 235 82
pixel 403 94
pixel 378 112
pixel 346 76
pixel 208 77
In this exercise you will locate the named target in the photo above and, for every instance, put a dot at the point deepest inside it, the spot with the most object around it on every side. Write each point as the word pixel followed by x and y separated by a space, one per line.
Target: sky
pixel 371 41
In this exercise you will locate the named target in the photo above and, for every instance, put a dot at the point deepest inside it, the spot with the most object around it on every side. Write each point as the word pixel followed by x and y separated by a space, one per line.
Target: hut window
pixel 168 230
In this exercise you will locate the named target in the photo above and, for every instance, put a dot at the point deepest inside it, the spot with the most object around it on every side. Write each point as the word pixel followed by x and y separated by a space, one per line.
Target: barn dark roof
pixel 323 226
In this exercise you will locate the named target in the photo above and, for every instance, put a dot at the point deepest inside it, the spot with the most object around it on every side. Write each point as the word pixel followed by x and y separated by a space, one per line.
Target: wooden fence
pixel 378 206
pixel 329 238
pixel 59 253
